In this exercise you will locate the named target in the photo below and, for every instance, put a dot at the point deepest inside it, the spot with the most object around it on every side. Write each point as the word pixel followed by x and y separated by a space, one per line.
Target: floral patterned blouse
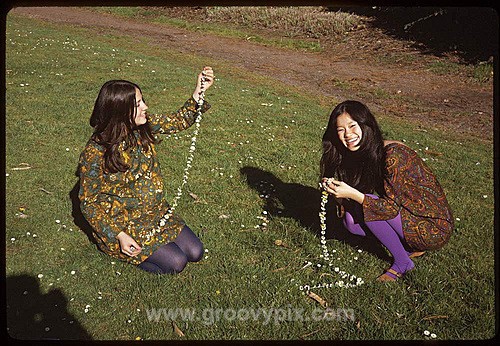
pixel 132 201
pixel 412 190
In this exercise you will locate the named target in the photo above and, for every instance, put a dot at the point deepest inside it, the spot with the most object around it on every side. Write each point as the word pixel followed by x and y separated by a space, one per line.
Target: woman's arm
pixel 180 120
pixel 339 189
pixel 383 208
pixel 186 115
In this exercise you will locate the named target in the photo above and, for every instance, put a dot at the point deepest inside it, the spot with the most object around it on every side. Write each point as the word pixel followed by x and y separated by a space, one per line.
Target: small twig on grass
pixel 22 166
pixel 47 192
pixel 434 153
pixel 279 269
pixel 309 334
pixel 318 299
pixel 434 317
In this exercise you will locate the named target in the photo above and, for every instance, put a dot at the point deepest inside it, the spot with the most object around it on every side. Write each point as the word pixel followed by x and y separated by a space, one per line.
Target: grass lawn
pixel 257 133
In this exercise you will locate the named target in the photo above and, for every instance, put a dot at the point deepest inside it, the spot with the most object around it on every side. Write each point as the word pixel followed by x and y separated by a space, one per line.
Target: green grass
pixel 53 76
pixel 481 72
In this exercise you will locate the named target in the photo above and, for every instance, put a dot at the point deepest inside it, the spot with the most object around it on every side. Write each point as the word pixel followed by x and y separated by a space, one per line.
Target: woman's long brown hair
pixel 113 122
pixel 364 169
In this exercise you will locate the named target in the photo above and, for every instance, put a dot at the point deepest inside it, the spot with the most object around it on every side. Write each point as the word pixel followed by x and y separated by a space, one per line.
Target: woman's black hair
pixel 364 169
pixel 113 120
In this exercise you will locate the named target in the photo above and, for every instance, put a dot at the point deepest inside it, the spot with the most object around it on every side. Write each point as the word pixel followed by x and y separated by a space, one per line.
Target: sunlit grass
pixel 256 126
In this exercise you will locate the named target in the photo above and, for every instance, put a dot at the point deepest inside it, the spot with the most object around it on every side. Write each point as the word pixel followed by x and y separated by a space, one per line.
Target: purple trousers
pixel 388 232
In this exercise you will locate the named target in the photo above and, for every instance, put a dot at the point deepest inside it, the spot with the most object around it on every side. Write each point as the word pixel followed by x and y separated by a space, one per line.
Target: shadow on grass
pixel 469 32
pixel 78 218
pixel 302 203
pixel 33 315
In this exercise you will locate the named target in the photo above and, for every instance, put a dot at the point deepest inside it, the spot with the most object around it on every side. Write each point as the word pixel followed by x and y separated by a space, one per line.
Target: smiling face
pixel 140 109
pixel 349 132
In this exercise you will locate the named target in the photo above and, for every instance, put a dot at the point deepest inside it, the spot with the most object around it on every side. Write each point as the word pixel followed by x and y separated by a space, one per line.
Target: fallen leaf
pixel 194 196
pixel 177 331
pixel 279 242
pixel 318 299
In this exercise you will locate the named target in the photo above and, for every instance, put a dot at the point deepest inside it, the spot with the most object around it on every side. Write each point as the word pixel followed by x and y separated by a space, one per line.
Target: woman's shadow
pixel 78 218
pixel 302 203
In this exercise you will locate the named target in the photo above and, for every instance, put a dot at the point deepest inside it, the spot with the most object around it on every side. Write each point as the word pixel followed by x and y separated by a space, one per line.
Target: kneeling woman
pixel 383 187
pixel 121 187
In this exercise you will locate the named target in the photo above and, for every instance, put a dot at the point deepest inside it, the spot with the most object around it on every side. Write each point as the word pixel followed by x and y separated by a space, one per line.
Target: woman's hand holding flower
pixel 340 190
pixel 206 77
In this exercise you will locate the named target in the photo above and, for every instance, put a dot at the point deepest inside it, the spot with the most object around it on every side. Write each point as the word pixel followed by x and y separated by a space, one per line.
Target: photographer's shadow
pixel 302 203
pixel 34 315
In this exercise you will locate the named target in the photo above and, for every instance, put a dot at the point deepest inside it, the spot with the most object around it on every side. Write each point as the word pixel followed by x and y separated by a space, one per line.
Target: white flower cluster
pixel 347 280
pixel 429 334
pixel 353 280
pixel 192 148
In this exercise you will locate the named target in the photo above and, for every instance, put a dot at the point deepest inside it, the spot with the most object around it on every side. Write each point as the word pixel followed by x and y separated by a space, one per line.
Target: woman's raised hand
pixel 208 76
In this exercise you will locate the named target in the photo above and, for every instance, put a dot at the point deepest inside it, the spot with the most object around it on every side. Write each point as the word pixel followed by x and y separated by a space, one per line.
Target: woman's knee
pixel 177 264
pixel 192 246
pixel 169 258
pixel 351 225
pixel 196 252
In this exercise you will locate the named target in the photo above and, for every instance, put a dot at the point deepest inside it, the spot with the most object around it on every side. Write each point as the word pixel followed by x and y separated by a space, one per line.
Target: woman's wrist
pixel 359 197
pixel 196 95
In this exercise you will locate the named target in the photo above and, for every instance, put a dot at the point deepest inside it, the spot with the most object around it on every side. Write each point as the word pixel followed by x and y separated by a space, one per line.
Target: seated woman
pixel 121 187
pixel 383 187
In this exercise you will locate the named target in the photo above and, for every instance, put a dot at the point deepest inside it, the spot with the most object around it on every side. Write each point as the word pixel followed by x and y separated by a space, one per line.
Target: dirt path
pixel 406 91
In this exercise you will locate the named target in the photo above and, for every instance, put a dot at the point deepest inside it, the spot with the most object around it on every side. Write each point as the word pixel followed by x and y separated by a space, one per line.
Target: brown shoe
pixel 386 277
pixel 416 254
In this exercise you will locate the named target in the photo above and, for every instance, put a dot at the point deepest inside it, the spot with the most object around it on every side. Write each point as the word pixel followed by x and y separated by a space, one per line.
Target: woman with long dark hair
pixel 121 186
pixel 383 187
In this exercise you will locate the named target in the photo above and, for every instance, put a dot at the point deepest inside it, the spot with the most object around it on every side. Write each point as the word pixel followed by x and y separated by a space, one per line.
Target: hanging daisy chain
pixel 192 148
pixel 326 255
pixel 351 280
